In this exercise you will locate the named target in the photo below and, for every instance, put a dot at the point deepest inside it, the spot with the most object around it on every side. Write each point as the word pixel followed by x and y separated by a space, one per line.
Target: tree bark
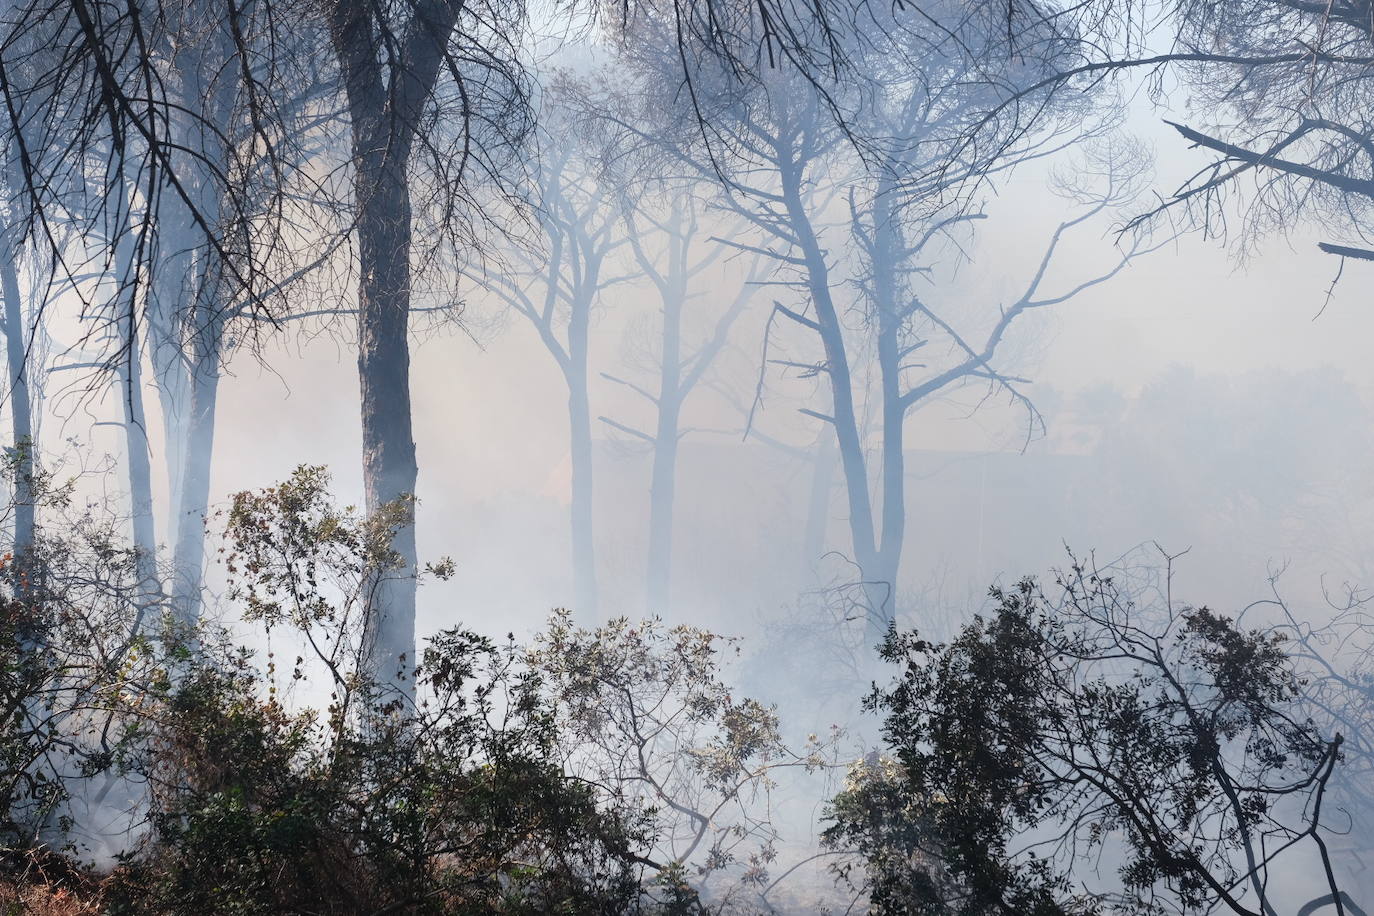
pixel 385 106
pixel 389 465
pixel 662 495
pixel 130 380
pixel 663 484
pixel 843 415
pixel 21 408
pixel 886 243
pixel 193 496
pixel 582 496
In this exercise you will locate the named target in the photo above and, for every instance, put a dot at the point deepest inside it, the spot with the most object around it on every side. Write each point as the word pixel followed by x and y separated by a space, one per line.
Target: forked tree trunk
pixel 198 327
pixel 385 111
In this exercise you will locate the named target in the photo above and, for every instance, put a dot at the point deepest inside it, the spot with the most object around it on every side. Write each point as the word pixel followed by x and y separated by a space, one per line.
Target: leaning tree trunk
pixel 844 418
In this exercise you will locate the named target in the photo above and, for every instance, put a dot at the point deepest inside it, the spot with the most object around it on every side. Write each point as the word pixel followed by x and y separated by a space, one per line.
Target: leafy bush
pixel 454 805
pixel 74 665
pixel 1060 733
pixel 255 809
pixel 645 714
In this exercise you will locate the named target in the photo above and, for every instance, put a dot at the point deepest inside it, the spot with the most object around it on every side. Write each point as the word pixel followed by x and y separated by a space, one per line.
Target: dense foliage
pixel 500 788
pixel 1081 754
pixel 1092 751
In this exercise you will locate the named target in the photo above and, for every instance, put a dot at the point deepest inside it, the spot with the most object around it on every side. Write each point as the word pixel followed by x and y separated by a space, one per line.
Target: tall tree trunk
pixel 843 415
pixel 17 351
pixel 582 496
pixel 129 377
pixel 385 106
pixel 886 245
pixel 661 500
pixel 198 343
pixel 129 382
pixel 197 328
pixel 21 409
pixel 193 498
pixel 662 488
pixel 389 467
pixel 172 384
pixel 171 377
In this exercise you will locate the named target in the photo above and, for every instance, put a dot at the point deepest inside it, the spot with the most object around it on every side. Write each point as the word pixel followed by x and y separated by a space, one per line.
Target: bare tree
pixel 215 81
pixel 402 114
pixel 1285 84
pixel 788 161
pixel 128 164
pixel 190 304
pixel 904 321
pixel 433 97
pixel 672 253
pixel 1290 83
pixel 1335 659
pixel 555 281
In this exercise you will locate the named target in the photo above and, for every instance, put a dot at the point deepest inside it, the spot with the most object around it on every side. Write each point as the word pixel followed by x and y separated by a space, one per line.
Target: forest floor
pixel 49 887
